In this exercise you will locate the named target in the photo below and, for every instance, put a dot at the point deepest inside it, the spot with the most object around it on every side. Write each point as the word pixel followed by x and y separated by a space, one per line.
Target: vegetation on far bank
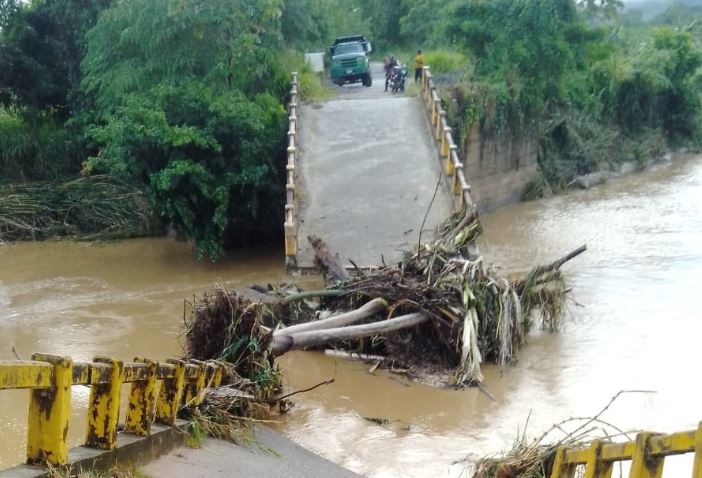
pixel 596 85
pixel 185 101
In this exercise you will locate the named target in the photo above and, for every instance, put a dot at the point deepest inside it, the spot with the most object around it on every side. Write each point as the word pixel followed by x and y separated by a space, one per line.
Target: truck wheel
pixel 367 80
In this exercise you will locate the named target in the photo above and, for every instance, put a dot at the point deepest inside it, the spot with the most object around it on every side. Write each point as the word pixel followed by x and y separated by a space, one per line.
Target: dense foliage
pixel 188 100
pixel 184 99
pixel 594 89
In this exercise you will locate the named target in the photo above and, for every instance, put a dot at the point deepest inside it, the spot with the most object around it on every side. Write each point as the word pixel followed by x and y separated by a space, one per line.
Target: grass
pixel 311 84
pixel 195 434
pixel 117 472
pixel 445 61
pixel 94 207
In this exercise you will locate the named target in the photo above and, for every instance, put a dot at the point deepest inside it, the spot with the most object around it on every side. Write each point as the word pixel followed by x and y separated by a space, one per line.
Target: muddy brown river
pixel 633 324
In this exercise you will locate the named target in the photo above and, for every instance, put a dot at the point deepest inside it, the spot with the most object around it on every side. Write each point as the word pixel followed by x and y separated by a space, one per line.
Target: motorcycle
pixel 398 79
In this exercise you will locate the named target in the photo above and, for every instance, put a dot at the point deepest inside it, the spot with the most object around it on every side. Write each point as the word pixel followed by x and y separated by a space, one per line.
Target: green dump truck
pixel 349 60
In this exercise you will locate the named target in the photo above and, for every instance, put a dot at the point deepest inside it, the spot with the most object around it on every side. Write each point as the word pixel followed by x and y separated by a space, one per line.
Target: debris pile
pixel 440 310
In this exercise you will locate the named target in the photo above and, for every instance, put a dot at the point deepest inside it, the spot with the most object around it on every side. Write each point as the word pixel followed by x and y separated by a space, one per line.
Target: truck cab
pixel 349 60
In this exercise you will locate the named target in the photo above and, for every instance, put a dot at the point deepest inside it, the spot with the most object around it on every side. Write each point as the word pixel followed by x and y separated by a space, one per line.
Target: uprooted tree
pixel 441 310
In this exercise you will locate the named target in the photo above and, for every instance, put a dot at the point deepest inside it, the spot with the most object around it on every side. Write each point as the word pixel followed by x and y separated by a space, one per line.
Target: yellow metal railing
pixel 647 454
pixel 448 150
pixel 293 157
pixel 157 392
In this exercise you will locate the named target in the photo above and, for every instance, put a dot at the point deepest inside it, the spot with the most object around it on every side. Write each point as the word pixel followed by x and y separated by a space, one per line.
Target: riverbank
pixel 620 170
pixel 84 208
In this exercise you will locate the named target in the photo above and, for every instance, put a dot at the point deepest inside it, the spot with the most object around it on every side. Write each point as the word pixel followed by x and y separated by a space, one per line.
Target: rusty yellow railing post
pixel 643 465
pixel 142 398
pixel 171 394
pixel 445 142
pixel 697 464
pixel 103 408
pixel 450 165
pixel 595 467
pixel 213 376
pixel 561 469
pixel 441 122
pixel 49 410
pixel 194 388
pixel 456 184
pixel 218 375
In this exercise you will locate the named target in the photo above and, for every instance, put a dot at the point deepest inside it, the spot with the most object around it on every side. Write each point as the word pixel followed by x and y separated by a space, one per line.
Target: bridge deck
pixel 369 170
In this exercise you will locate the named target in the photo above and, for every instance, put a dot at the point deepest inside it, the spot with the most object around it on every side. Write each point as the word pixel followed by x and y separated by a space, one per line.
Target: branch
pixel 326 382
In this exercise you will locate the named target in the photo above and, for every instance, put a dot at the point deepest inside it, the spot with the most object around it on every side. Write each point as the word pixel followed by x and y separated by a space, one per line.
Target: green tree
pixel 315 23
pixel 188 99
pixel 420 24
pixel 384 17
pixel 606 8
pixel 7 9
pixel 523 49
pixel 140 43
pixel 41 46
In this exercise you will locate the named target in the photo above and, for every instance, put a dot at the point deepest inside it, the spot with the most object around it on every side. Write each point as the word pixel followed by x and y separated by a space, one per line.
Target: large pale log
pixel 285 343
pixel 369 309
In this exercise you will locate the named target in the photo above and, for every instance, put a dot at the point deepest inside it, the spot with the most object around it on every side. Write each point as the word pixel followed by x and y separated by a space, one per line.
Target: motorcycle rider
pixel 389 70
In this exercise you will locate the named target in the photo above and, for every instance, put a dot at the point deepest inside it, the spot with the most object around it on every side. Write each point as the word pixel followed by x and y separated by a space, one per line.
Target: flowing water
pixel 633 324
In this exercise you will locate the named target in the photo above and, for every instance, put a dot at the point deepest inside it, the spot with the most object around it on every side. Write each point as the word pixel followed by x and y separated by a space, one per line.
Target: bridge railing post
pixel 103 407
pixel 642 464
pixel 49 411
pixel 697 463
pixel 171 393
pixel 561 468
pixel 455 181
pixel 194 390
pixel 142 399
pixel 441 122
pixel 445 138
pixel 451 153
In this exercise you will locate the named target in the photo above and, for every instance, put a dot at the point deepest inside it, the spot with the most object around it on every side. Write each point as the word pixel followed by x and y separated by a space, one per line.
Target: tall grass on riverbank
pixel 98 207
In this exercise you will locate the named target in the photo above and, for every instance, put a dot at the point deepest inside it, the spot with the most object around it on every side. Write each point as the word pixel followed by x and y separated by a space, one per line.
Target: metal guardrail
pixel 157 392
pixel 291 224
pixel 647 455
pixel 448 150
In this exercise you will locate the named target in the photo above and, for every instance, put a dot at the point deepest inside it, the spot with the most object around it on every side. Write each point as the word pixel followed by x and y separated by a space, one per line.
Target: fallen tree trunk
pixel 284 343
pixel 368 310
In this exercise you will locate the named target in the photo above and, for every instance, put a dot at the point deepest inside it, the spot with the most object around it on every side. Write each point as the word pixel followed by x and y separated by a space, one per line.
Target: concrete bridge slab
pixel 272 455
pixel 368 172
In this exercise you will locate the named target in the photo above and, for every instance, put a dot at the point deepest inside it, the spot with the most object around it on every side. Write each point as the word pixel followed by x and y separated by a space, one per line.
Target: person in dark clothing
pixel 389 70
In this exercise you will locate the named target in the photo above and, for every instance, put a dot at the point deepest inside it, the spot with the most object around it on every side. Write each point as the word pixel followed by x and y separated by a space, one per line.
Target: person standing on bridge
pixel 389 70
pixel 418 66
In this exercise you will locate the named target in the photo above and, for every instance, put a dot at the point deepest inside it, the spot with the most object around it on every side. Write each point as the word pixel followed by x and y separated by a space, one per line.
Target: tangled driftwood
pixel 441 308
